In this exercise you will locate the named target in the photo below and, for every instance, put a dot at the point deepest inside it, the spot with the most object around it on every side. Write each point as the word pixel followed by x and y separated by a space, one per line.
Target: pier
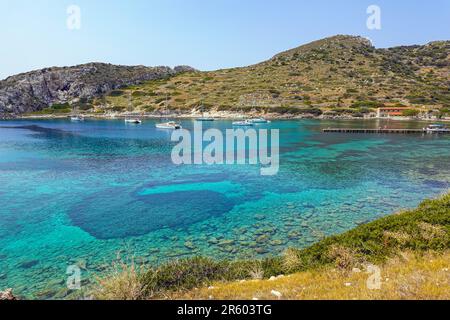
pixel 378 131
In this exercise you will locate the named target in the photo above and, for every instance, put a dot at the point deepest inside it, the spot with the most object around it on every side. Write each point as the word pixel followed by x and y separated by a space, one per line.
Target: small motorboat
pixel 437 128
pixel 76 119
pixel 133 121
pixel 245 123
pixel 171 125
pixel 258 121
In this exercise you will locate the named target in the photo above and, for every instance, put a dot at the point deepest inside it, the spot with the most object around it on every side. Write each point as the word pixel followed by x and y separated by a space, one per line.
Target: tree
pixel 410 113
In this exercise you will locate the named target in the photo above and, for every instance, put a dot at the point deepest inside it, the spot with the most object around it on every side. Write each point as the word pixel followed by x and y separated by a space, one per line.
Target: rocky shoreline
pixel 7 295
pixel 216 115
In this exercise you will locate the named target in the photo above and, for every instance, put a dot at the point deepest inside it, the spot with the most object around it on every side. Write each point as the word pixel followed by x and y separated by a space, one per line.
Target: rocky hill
pixel 334 75
pixel 337 75
pixel 36 90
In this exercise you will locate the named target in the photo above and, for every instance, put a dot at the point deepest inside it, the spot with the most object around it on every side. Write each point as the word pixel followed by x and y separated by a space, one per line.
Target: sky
pixel 205 34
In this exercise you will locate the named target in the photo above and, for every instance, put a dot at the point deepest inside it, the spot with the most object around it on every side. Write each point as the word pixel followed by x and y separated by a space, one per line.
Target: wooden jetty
pixel 378 131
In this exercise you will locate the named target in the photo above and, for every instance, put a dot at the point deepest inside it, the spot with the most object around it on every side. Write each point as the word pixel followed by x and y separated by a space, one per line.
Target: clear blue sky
pixel 206 34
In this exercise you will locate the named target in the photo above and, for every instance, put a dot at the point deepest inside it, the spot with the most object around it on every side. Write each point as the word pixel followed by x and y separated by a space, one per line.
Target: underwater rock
pixel 46 294
pixel 55 283
pixel 28 264
pixel 190 245
pixel 227 249
pixel 62 294
pixel 85 281
pixel 261 251
pixel 213 240
pixel 253 244
pixel 262 239
pixel 225 243
pixel 293 235
pixel 290 224
pixel 260 217
pixel 277 242
pixel 176 253
pixel 82 264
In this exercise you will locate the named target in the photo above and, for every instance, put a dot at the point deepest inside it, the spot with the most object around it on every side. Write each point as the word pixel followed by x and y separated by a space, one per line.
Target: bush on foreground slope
pixel 426 228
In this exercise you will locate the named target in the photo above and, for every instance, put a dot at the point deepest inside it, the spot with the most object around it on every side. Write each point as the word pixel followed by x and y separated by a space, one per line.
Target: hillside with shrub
pixel 340 75
pixel 337 75
pixel 410 247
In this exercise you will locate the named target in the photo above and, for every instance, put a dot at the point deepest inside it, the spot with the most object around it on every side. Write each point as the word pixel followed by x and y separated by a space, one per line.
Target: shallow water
pixel 78 193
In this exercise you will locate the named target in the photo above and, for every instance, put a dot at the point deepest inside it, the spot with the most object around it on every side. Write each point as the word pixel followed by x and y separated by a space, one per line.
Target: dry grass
pixel 291 260
pixel 344 258
pixel 257 273
pixel 122 282
pixel 407 276
pixel 400 237
pixel 430 231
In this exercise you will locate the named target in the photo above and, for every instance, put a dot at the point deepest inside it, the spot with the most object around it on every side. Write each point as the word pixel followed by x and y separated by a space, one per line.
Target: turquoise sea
pixel 82 193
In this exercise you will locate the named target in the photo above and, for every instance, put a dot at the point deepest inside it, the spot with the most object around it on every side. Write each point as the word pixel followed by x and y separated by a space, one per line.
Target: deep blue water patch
pixel 115 214
pixel 436 184
pixel 188 179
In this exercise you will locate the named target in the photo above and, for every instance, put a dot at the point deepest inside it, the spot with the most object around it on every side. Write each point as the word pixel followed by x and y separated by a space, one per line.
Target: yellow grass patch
pixel 408 276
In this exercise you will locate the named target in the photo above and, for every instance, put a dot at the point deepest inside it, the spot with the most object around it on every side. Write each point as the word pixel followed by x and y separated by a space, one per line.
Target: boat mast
pixel 130 103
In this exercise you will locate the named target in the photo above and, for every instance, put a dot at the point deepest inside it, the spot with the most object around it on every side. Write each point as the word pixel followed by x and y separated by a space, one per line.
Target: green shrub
pixel 138 94
pixel 367 104
pixel 58 106
pixel 410 113
pixel 159 100
pixel 118 109
pixel 298 111
pixel 116 93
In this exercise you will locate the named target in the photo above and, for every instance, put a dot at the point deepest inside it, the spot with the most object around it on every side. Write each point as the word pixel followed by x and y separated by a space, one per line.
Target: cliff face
pixel 33 91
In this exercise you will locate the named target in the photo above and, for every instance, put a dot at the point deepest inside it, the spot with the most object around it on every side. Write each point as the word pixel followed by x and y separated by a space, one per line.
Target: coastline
pixel 216 115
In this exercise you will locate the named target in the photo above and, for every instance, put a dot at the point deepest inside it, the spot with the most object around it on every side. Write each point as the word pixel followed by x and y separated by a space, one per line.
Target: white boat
pixel 171 125
pixel 133 121
pixel 245 123
pixel 76 119
pixel 258 121
pixel 437 128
